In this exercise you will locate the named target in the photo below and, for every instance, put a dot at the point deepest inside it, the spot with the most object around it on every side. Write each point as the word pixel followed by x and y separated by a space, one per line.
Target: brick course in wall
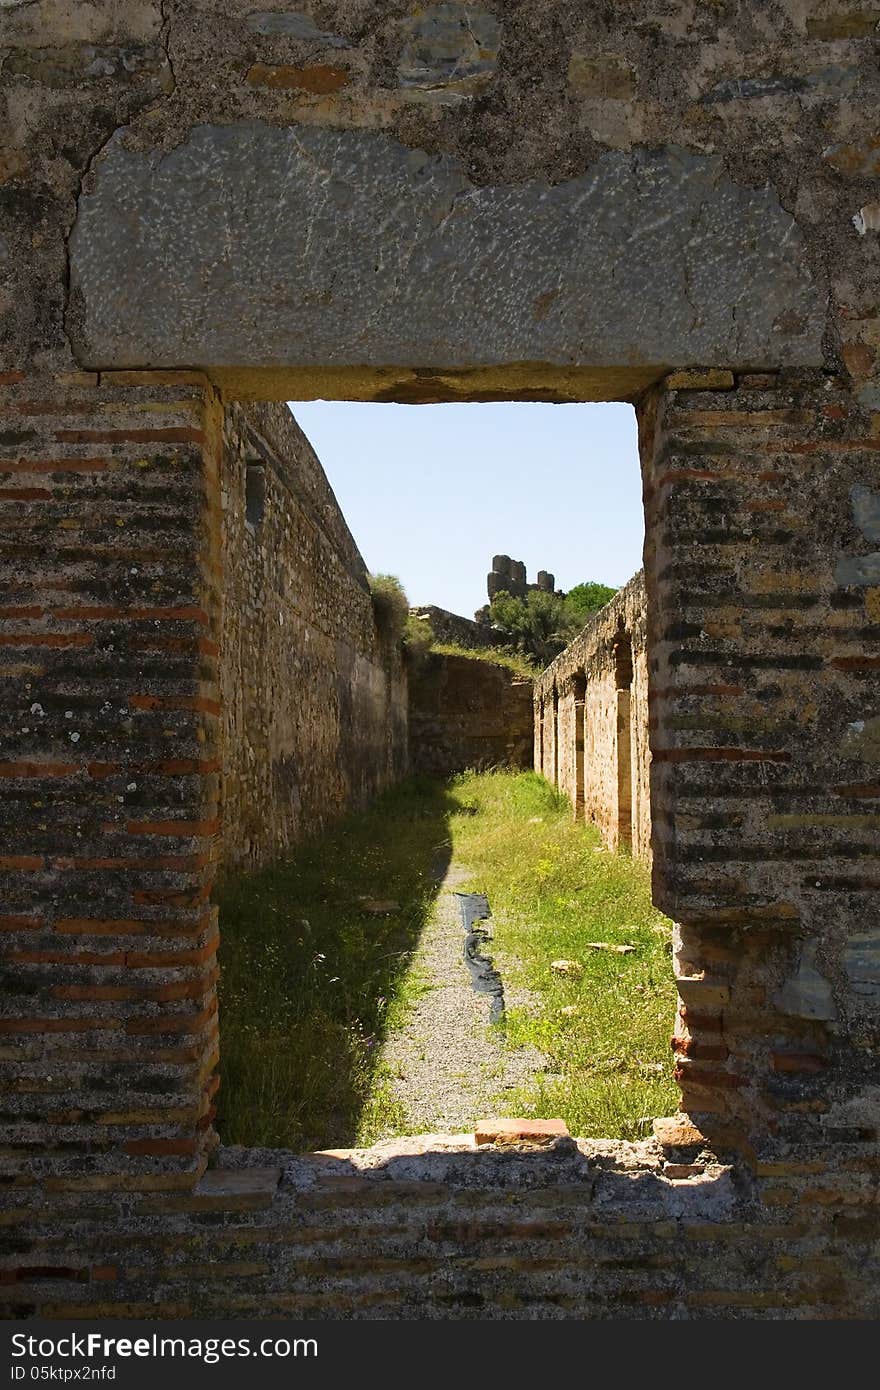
pixel 763 642
pixel 109 641
pixel 584 1229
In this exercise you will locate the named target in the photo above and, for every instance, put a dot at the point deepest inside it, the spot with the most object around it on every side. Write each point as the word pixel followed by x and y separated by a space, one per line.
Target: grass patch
pixel 494 656
pixel 311 979
pixel 551 893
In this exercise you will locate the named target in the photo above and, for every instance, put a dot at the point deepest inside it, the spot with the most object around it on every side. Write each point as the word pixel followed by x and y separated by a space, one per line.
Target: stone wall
pixel 452 627
pixel 760 563
pixel 362 200
pixel 750 133
pixel 110 778
pixel 467 713
pixel 313 693
pixel 443 1228
pixel 761 525
pixel 597 690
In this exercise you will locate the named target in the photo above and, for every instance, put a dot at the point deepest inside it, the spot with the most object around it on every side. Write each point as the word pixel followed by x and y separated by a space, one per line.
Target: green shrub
pixel 390 605
pixel 543 623
pixel 586 599
pixel 418 637
pixel 517 662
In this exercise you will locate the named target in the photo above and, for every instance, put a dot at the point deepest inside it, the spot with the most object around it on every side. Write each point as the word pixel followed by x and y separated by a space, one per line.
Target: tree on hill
pixel 542 623
pixel 587 599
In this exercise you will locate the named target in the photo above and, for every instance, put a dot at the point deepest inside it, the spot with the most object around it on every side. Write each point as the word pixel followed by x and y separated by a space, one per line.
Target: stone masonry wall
pixel 110 779
pixel 760 1201
pixel 447 1229
pixel 672 204
pixel 751 127
pixel 467 713
pixel 313 694
pixel 603 757
pixel 452 627
pixel 761 511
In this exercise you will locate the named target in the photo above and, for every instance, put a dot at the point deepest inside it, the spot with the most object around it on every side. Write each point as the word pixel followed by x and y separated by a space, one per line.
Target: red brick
pixel 46 639
pixel 30 769
pixel 162 1147
pixel 175 829
pixel 703 1051
pixel 799 1062
pixel 534 1131
pixel 855 663
pixel 677 1132
pixel 174 434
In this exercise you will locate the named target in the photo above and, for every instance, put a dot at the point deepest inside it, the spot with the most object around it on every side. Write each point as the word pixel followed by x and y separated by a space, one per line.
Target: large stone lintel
pixel 250 246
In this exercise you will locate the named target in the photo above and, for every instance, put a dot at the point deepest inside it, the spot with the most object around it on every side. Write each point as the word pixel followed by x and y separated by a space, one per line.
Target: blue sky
pixel 432 492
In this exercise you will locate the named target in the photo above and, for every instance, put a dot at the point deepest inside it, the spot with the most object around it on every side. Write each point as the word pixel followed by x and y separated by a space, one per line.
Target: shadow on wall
pixel 313 954
pixel 467 713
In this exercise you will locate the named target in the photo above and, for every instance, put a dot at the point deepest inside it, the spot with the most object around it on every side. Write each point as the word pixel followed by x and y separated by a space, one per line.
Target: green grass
pixel 311 981
pixel 551 893
pixel 495 656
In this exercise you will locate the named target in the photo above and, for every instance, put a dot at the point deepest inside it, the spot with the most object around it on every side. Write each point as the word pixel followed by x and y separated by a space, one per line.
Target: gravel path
pixel 447 1066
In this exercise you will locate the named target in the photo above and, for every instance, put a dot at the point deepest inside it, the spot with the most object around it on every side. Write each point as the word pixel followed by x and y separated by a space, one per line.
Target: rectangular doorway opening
pixel 412 728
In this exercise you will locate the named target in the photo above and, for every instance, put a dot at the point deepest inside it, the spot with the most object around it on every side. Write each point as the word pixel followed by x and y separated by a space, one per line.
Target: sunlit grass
pixel 517 662
pixel 311 980
pixel 552 891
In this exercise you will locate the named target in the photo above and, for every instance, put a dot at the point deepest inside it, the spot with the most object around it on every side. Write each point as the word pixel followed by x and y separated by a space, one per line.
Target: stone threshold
pixel 505 1153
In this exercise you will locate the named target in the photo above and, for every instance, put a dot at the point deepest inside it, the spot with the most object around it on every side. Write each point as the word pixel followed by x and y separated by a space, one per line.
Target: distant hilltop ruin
pixel 507 576
pixel 510 576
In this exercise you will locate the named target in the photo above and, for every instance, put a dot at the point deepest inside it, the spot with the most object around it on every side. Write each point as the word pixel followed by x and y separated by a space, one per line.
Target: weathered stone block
pixel 448 45
pixel 861 958
pixel 601 75
pixel 293 24
pixel 807 994
pixel 706 996
pixel 258 1184
pixel 83 62
pixel 249 244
